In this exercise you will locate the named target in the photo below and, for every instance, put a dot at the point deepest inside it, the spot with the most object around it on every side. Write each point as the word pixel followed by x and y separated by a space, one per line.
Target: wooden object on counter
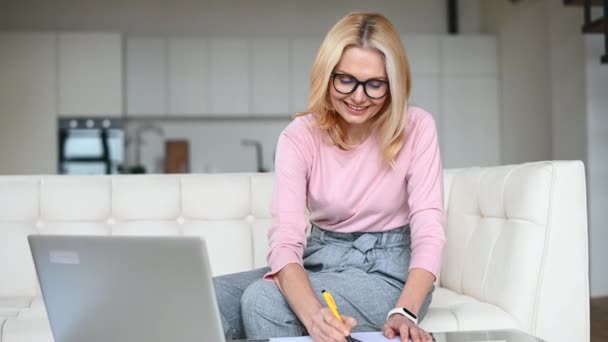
pixel 177 156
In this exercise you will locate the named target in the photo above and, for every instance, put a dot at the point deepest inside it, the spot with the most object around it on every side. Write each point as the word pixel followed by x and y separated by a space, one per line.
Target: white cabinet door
pixel 270 88
pixel 471 122
pixel 189 79
pixel 423 52
pixel 90 74
pixel 469 55
pixel 230 81
pixel 470 101
pixel 303 53
pixel 28 122
pixel 146 69
pixel 426 94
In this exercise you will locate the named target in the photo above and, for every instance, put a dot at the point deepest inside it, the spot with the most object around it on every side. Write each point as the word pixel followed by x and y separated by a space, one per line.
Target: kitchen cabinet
pixel 230 79
pixel 303 52
pixel 28 124
pixel 469 55
pixel 470 101
pixel 424 55
pixel 423 52
pixel 471 121
pixel 426 93
pixel 270 67
pixel 189 80
pixel 146 76
pixel 199 77
pixel 90 74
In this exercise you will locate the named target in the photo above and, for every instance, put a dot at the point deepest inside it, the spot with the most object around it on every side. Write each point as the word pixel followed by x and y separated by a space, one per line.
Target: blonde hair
pixel 365 30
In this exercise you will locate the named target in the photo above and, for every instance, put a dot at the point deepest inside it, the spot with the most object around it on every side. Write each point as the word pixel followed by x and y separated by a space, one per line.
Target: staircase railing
pixel 590 25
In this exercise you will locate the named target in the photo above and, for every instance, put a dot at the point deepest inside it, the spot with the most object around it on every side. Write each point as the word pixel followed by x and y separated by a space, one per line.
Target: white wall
pixel 553 101
pixel 541 57
pixel 568 102
pixel 597 166
pixel 259 18
pixel 523 52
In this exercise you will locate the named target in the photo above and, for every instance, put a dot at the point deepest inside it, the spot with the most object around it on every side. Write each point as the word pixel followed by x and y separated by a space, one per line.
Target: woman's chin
pixel 356 119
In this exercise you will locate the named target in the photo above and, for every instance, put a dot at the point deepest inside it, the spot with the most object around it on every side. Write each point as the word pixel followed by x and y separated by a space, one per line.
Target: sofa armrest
pixel 563 288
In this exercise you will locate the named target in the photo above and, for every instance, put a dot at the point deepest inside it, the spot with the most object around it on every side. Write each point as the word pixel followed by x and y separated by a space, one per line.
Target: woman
pixel 368 169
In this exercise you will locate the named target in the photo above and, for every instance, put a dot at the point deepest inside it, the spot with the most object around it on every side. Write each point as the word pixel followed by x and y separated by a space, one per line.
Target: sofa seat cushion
pixel 35 310
pixel 12 306
pixel 26 329
pixel 451 311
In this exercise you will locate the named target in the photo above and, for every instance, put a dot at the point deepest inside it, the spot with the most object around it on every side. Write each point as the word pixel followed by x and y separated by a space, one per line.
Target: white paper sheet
pixel 363 336
pixel 367 337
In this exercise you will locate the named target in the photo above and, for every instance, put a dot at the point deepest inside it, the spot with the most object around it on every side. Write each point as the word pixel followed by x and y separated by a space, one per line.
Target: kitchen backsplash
pixel 215 145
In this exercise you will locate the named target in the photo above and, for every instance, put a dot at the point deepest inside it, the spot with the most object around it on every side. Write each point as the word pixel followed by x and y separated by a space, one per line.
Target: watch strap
pixel 403 312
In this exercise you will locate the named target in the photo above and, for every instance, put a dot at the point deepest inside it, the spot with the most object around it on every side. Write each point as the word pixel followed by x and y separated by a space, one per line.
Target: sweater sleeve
pixel 425 189
pixel 287 234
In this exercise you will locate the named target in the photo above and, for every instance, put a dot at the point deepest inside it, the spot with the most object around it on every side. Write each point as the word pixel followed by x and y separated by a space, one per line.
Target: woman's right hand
pixel 325 327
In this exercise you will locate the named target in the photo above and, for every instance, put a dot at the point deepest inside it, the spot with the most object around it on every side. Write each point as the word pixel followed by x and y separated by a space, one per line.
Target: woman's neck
pixel 357 134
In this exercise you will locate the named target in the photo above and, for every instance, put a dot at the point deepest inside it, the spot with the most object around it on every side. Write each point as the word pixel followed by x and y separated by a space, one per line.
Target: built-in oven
pixel 91 146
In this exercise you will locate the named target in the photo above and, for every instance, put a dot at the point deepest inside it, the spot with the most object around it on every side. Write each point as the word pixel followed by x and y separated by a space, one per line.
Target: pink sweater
pixel 355 191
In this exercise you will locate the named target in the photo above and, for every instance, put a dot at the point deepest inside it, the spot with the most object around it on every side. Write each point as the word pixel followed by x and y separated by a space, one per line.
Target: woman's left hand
pixel 399 325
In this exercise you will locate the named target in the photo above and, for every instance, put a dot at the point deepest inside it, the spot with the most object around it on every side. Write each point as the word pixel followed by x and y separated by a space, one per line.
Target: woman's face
pixel 357 108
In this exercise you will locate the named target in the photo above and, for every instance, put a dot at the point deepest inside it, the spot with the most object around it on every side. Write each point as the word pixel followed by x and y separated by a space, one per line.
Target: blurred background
pixel 165 86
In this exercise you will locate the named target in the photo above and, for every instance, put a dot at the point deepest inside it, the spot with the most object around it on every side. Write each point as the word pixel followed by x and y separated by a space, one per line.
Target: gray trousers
pixel 365 273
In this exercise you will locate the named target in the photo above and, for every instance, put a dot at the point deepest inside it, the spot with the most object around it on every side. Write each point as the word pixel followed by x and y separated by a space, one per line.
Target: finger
pixel 349 321
pixel 331 334
pixel 319 329
pixel 331 320
pixel 415 334
pixel 421 334
pixel 424 335
pixel 404 333
pixel 314 333
pixel 388 331
pixel 333 329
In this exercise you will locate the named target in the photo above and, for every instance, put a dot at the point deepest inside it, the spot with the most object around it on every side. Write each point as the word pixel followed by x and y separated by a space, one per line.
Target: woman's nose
pixel 359 94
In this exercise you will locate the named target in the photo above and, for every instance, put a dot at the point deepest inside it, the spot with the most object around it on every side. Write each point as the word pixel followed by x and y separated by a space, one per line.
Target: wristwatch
pixel 403 312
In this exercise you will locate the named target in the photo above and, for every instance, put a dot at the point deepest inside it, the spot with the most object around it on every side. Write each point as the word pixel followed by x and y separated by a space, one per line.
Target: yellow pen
pixel 334 309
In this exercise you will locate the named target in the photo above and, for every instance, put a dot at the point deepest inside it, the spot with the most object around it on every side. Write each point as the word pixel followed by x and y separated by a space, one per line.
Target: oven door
pixel 90 151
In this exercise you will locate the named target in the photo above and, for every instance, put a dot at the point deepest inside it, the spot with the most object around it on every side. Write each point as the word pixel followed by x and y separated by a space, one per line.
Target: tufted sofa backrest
pixel 231 211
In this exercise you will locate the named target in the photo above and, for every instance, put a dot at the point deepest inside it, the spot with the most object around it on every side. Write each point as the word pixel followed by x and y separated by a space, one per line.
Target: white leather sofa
pixel 516 254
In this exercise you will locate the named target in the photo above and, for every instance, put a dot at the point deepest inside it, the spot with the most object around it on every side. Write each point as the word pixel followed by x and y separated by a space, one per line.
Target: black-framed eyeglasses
pixel 347 84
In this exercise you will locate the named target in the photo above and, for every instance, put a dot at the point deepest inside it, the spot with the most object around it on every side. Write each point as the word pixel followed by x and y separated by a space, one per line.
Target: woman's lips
pixel 355 109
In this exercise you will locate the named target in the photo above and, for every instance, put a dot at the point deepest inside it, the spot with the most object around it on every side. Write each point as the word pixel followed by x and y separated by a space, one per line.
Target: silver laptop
pixel 127 289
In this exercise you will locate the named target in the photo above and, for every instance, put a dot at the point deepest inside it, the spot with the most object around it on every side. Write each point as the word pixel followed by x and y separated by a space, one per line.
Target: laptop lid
pixel 109 288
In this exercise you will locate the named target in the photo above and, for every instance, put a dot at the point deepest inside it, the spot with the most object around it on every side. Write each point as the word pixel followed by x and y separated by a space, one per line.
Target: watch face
pixel 408 312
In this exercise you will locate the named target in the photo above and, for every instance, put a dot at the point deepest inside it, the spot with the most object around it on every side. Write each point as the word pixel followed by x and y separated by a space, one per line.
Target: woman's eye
pixel 346 80
pixel 376 84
